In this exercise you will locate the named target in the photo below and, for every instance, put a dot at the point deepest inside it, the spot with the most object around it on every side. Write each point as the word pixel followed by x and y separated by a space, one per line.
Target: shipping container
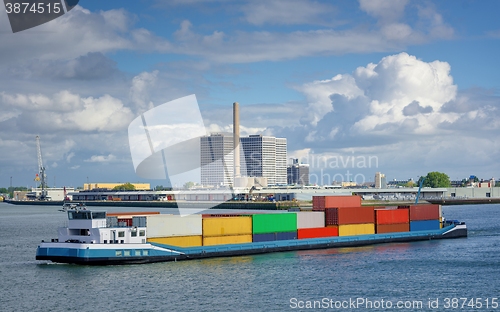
pixel 310 219
pixel 392 216
pixel 425 225
pixel 424 212
pixel 350 215
pixel 173 225
pixel 356 229
pixel 318 232
pixel 320 203
pixel 267 237
pixel 392 228
pixel 131 214
pixel 228 239
pixel 179 241
pixel 227 226
pixel 274 222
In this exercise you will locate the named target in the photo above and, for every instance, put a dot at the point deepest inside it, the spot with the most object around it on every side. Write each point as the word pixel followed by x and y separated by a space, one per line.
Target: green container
pixel 274 223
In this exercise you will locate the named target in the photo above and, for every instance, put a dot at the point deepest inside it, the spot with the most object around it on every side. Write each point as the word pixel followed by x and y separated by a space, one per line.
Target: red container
pixel 392 228
pixel 320 203
pixel 127 221
pixel 318 232
pixel 424 212
pixel 132 214
pixel 350 215
pixel 392 216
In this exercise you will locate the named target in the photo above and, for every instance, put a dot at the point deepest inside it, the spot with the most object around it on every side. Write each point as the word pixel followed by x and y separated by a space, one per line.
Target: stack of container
pixel 424 217
pixel 182 231
pixel 392 220
pixel 312 225
pixel 345 214
pixel 125 218
pixel 274 226
pixel 351 220
pixel 227 230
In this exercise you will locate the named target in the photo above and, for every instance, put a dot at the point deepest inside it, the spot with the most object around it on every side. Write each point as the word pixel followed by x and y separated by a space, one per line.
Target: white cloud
pixel 66 111
pixel 385 10
pixel 139 91
pixel 101 158
pixel 287 12
pixel 69 156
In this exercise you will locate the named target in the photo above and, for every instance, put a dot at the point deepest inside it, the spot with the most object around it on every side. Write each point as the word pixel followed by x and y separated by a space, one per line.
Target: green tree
pixel 189 185
pixel 436 179
pixel 124 187
pixel 410 184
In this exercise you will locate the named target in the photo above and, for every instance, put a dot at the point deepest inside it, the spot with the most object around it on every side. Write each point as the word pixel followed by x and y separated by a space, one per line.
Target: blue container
pixel 269 237
pixel 426 225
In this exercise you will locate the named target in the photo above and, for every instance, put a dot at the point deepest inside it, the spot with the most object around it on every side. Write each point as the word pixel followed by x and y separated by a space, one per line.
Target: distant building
pixel 217 159
pixel 265 156
pixel 110 186
pixel 380 181
pixel 297 173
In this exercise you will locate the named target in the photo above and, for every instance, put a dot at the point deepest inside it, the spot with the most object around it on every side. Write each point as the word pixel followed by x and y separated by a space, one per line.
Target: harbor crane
pixel 41 176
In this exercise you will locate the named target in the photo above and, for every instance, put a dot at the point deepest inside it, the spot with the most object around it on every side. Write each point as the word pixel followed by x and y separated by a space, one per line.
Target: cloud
pixel 65 111
pixel 287 12
pixel 139 91
pixel 69 156
pixel 414 108
pixel 385 10
pixel 101 158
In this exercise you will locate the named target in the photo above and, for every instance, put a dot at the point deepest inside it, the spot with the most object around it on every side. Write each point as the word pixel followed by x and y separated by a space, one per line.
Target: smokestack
pixel 236 139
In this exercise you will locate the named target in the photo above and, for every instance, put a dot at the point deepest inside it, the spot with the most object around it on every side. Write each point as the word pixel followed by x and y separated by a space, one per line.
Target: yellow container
pixel 227 226
pixel 231 239
pixel 356 229
pixel 180 241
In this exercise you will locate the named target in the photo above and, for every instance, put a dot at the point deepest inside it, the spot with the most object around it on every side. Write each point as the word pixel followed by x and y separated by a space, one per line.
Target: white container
pixel 310 219
pixel 172 225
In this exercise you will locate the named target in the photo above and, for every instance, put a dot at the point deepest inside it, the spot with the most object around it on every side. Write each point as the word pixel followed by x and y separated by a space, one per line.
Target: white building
pixel 217 159
pixel 260 156
pixel 265 156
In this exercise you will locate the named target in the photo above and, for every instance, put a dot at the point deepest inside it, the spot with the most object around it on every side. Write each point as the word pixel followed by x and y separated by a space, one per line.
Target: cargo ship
pixel 100 238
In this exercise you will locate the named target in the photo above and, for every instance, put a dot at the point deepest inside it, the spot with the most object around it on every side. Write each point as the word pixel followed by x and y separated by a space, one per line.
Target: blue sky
pixel 413 83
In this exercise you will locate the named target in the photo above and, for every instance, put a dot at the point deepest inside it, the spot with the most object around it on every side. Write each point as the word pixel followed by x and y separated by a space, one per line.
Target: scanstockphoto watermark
pixel 357 303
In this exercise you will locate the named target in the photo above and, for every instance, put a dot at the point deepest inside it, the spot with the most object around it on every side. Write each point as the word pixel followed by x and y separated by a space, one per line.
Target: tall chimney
pixel 236 139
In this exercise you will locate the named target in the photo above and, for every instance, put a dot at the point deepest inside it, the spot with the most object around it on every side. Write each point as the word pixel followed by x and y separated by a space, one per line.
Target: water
pixel 406 272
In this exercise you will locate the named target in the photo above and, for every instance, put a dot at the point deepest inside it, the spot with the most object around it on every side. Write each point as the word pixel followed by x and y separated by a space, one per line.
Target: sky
pixel 357 87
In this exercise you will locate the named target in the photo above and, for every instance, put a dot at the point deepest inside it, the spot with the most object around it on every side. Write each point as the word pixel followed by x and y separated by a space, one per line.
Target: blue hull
pixel 99 254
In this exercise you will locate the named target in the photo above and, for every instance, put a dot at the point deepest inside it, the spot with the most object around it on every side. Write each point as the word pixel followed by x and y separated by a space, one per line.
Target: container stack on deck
pixel 182 231
pixel 425 217
pixel 331 216
pixel 274 226
pixel 391 220
pixel 346 214
pixel 227 230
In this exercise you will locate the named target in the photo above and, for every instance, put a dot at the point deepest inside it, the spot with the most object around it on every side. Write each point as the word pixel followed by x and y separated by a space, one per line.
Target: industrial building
pixel 262 160
pixel 53 193
pixel 297 174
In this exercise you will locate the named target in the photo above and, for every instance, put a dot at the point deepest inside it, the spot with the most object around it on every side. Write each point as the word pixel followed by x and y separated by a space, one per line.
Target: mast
pixel 41 170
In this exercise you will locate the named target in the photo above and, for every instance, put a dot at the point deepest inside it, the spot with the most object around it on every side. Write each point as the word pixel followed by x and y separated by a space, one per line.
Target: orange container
pixel 392 228
pixel 350 215
pixel 318 232
pixel 424 212
pixel 392 216
pixel 320 203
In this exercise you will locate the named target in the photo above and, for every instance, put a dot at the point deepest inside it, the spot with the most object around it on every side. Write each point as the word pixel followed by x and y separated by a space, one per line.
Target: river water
pixel 418 276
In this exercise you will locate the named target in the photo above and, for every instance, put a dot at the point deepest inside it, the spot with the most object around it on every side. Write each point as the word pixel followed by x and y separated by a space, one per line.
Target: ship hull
pixel 112 254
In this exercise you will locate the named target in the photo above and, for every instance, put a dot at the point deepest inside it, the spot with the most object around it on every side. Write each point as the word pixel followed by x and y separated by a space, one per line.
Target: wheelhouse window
pixel 142 233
